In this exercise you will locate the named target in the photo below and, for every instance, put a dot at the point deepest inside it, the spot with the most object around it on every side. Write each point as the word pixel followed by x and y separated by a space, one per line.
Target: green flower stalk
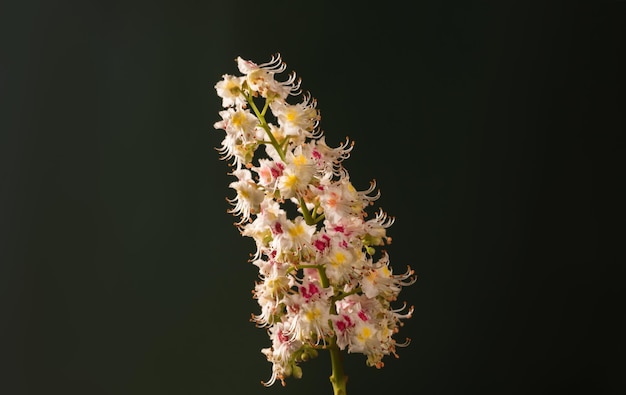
pixel 325 278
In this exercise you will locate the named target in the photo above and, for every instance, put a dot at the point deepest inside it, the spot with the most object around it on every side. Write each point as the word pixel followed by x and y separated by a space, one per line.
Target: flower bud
pixel 296 371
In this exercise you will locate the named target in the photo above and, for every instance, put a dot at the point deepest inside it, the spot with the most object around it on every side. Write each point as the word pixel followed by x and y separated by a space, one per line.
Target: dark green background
pixel 491 128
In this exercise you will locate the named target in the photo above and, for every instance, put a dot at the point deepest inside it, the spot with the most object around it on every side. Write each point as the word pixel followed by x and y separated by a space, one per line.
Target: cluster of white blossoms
pixel 322 282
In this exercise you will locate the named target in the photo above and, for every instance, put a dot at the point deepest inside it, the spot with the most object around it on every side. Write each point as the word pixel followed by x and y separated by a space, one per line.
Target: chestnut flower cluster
pixel 324 282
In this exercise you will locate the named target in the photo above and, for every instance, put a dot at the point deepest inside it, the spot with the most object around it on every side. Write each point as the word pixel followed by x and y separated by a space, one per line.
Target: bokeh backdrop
pixel 490 127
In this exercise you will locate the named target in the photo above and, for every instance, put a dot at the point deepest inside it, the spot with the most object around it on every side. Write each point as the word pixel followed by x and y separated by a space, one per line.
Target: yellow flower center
pixel 232 87
pixel 299 160
pixel 296 230
pixel 291 115
pixel 312 314
pixel 364 334
pixel 291 180
pixel 238 119
pixel 338 258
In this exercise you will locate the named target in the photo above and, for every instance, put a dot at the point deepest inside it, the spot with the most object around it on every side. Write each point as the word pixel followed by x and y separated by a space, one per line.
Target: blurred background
pixel 490 127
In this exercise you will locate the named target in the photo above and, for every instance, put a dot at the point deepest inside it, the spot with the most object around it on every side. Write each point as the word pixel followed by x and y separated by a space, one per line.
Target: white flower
pixel 239 122
pixel 249 195
pixel 296 119
pixel 261 80
pixel 342 261
pixel 291 236
pixel 329 159
pixel 269 171
pixel 270 293
pixel 229 89
pixel 340 200
pixel 310 321
pixel 364 339
pixel 242 135
pixel 280 354
pixel 298 172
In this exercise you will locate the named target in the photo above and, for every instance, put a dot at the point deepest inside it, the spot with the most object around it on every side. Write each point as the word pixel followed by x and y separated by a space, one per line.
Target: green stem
pixel 338 377
pixel 260 115
pixel 305 212
pixel 307 267
pixel 343 295
pixel 325 282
